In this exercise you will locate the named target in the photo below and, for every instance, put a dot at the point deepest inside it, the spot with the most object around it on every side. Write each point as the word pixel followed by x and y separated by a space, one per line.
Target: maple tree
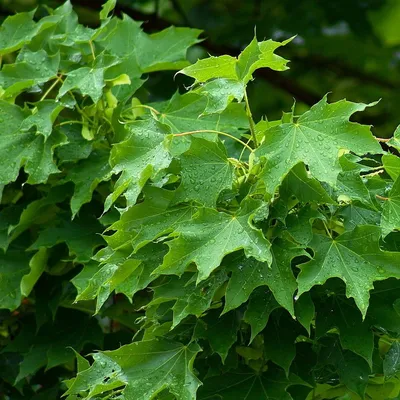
pixel 180 249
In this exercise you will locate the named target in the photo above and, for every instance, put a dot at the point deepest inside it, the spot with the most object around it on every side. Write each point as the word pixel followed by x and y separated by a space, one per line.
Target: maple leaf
pixel 210 236
pixel 355 257
pixel 315 139
pixel 132 366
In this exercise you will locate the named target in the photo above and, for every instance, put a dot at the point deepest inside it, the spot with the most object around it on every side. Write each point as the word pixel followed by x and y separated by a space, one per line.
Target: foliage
pixel 178 248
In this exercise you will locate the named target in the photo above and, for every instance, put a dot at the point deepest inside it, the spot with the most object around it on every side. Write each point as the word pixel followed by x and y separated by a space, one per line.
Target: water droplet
pixel 320 138
pixel 354 268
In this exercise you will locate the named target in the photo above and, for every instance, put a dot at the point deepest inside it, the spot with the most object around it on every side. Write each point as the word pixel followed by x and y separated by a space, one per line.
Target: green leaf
pixel 165 50
pixel 133 365
pixel 248 384
pixel 221 332
pixel 19 29
pixel 141 156
pixel 86 175
pixel 299 224
pixel 391 163
pixel 39 212
pixel 210 236
pixel 191 299
pixel 37 266
pixel 279 341
pixel 355 334
pixel 256 55
pixel 184 113
pixel 206 172
pixel 261 304
pixel 391 363
pixel 25 149
pixel 220 93
pixel 107 8
pixel 89 81
pixel 148 220
pixel 52 344
pixel 305 311
pixel 31 68
pixel 391 209
pixel 122 272
pixel 14 265
pixel 299 183
pixel 82 236
pixel 395 140
pixel 355 257
pixel 43 117
pixel 315 139
pixel 248 274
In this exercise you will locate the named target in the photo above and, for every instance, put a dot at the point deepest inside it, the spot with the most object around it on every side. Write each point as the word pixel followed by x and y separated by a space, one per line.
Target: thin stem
pixel 251 122
pixel 142 106
pixel 92 49
pixel 70 122
pixel 327 230
pixel 242 152
pixel 59 78
pixel 216 132
pixel 381 139
pixel 381 197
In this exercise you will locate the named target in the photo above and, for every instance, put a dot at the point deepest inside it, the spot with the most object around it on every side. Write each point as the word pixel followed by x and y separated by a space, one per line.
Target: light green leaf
pixel 107 8
pixel 206 172
pixel 395 140
pixel 133 365
pixel 256 55
pixel 355 257
pixel 391 163
pixel 315 139
pixel 211 68
pixel 210 236
pixel 37 265
pixel 260 55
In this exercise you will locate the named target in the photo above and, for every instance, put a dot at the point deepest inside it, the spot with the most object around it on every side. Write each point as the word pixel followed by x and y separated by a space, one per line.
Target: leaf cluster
pixel 185 249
